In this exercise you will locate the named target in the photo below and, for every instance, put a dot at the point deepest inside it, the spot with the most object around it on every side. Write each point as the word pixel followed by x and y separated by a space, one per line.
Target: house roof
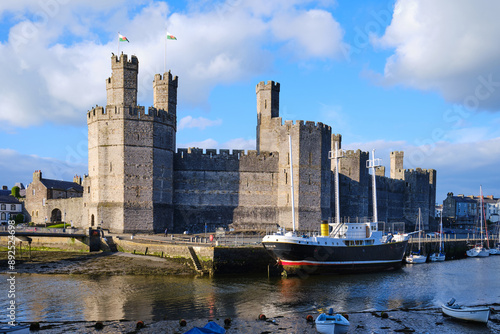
pixel 8 199
pixel 61 185
pixel 5 192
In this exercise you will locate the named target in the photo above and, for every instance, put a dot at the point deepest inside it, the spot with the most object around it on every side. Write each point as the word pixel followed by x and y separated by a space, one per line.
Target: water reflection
pixel 78 297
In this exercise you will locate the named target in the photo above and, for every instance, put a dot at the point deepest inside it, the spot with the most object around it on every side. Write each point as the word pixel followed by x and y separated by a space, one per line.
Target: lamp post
pixel 64 219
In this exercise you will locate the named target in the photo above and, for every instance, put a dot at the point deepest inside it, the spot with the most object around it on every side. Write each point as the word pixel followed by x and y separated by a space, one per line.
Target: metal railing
pixel 45 230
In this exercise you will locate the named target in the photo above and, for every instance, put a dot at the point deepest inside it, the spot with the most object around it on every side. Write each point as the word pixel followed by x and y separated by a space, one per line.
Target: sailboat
pixel 439 256
pixel 350 247
pixel 497 246
pixel 417 257
pixel 478 250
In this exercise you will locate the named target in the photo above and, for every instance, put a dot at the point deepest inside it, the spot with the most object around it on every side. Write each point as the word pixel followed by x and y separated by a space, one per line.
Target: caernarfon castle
pixel 139 181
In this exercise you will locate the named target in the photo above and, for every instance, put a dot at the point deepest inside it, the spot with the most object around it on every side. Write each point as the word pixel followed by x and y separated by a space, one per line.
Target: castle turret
pixel 268 104
pixel 121 87
pixel 165 92
pixel 397 171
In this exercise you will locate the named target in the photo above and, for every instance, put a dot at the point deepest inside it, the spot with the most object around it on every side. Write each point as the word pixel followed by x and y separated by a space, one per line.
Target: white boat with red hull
pixel 342 247
pixel 344 253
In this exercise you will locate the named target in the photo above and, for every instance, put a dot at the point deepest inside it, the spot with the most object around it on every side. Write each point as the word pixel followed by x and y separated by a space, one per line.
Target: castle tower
pixel 121 87
pixel 130 183
pixel 165 92
pixel 397 171
pixel 268 104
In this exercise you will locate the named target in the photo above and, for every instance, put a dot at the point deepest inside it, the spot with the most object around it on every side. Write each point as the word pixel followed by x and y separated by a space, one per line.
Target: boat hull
pixel 332 324
pixel 437 257
pixel 416 259
pixel 316 259
pixel 480 314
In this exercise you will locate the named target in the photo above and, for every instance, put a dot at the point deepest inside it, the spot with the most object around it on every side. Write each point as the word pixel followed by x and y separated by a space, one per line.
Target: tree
pixel 15 192
pixel 19 219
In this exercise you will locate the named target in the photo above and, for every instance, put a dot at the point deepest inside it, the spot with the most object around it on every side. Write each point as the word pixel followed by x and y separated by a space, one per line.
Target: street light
pixel 64 219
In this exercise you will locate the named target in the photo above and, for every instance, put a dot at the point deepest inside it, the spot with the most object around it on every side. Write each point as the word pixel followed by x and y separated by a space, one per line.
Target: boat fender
pixel 309 318
pixel 140 324
pixel 262 317
pixel 182 323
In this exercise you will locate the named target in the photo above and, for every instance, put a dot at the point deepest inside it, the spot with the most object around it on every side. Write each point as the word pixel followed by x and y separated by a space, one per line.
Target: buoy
pixel 384 315
pixel 99 325
pixel 262 317
pixel 140 324
pixel 345 315
pixel 227 321
pixel 309 318
pixel 182 322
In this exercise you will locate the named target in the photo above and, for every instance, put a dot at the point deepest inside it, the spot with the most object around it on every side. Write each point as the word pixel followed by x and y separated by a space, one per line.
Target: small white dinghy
pixel 332 323
pixel 479 314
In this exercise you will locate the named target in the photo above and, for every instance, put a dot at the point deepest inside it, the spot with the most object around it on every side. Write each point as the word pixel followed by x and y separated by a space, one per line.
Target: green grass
pixel 60 226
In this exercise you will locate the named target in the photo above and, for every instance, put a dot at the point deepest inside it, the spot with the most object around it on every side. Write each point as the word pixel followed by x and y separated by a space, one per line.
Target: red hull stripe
pixel 306 263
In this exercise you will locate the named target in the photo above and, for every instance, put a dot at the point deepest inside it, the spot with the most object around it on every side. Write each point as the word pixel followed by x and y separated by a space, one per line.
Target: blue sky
pixel 416 76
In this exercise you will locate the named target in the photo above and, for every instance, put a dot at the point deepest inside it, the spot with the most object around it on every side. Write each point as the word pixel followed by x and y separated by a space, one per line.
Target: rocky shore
pixel 396 321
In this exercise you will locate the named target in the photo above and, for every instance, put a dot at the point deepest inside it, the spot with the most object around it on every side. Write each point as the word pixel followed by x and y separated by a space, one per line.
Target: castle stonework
pixel 139 182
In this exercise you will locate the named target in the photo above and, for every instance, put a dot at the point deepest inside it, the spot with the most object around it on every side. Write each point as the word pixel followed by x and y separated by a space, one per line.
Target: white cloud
pixel 449 46
pixel 189 122
pixel 18 167
pixel 56 59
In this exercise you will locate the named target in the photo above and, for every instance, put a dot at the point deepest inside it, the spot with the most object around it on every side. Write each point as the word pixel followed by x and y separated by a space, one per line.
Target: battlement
pixel 306 125
pixel 397 153
pixel 356 153
pixel 225 160
pixel 270 85
pixel 133 113
pixel 166 79
pixel 123 61
pixel 200 153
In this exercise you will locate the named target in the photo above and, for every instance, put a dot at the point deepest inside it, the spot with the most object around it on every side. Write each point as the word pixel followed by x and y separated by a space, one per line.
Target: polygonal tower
pixel 268 104
pixel 130 183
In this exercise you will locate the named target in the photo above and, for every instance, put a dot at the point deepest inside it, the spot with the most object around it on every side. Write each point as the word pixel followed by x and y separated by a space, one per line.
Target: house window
pixel 3 216
pixel 3 207
pixel 13 207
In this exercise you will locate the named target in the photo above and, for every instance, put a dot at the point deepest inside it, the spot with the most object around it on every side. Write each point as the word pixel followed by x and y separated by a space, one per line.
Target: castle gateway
pixel 138 181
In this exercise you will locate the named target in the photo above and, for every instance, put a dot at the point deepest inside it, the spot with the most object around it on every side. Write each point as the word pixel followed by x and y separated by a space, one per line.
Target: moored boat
pixel 331 324
pixel 478 314
pixel 342 247
pixel 478 250
pixel 417 257
pixel 439 256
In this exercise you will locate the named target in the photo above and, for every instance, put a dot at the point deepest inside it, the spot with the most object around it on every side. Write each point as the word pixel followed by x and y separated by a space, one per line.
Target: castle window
pixel 36 213
pixel 310 158
pixel 265 104
pixel 110 166
pixel 88 189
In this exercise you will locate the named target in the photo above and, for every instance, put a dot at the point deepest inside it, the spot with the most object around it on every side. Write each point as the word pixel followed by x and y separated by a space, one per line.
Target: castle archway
pixel 55 216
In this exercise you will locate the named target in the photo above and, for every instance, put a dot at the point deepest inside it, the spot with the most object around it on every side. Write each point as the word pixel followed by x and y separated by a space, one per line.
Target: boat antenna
pixel 373 164
pixel 291 183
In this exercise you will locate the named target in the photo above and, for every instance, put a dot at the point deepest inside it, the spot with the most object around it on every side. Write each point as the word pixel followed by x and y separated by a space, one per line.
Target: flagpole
pixel 165 59
pixel 118 44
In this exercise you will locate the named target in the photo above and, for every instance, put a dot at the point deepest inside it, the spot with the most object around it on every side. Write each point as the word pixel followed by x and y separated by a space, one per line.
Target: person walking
pixel 166 231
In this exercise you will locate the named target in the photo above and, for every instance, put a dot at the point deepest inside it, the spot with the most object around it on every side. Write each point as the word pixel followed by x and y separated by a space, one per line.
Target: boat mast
pixel 419 230
pixel 441 232
pixel 338 155
pixel 291 183
pixel 481 213
pixel 373 164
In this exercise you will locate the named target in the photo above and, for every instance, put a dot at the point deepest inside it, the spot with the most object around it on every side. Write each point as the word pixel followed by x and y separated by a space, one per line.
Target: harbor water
pixel 52 298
